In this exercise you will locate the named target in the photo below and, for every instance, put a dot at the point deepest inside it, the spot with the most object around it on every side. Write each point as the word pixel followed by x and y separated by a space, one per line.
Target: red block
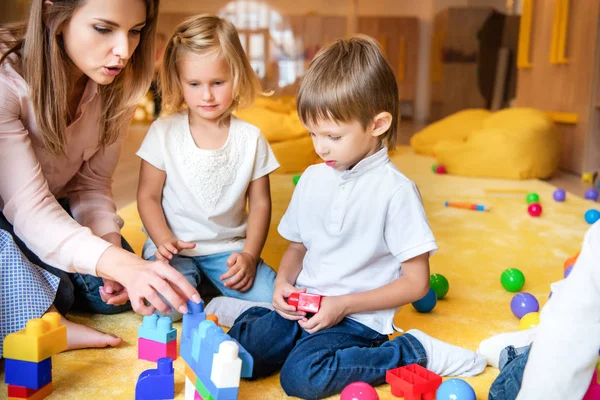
pixel 305 302
pixel 413 382
pixel 152 351
pixel 20 391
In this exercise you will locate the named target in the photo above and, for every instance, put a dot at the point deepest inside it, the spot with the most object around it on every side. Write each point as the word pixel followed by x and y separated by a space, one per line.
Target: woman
pixel 69 81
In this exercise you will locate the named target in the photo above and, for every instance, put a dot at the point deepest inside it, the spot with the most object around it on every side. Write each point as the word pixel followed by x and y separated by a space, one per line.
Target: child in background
pixel 358 236
pixel 560 363
pixel 201 165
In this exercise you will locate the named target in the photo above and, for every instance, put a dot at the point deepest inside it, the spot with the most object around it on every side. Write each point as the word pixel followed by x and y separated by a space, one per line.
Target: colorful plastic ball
pixel 427 303
pixel 591 194
pixel 439 284
pixel 532 198
pixel 455 389
pixel 359 391
pixel 591 216
pixel 295 179
pixel 570 261
pixel 440 169
pixel 434 168
pixel 529 320
pixel 524 303
pixel 535 210
pixel 512 280
pixel 567 271
pixel 559 195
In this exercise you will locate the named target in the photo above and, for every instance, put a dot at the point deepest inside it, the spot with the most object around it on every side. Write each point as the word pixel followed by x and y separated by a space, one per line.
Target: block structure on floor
pixel 157 339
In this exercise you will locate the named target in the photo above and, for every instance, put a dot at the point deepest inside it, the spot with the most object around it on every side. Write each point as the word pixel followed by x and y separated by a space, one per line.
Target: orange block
pixel 41 339
pixel 39 394
pixel 213 318
pixel 189 373
pixel 570 261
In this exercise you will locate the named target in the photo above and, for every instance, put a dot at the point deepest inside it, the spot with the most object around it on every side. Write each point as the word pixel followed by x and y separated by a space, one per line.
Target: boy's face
pixel 342 144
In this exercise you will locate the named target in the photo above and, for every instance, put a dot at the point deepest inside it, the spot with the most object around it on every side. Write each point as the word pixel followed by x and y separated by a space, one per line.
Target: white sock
pixel 445 359
pixel 227 309
pixel 492 347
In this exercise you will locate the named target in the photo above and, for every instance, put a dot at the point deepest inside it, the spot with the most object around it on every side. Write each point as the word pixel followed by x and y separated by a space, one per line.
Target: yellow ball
pixel 529 320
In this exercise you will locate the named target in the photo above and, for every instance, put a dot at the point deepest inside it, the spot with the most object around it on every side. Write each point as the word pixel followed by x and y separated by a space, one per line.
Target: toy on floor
pixel 591 216
pixel 529 320
pixel 524 303
pixel 532 198
pixel 512 280
pixel 157 338
pixel 559 195
pixel 214 362
pixel 439 169
pixel 567 271
pixel 455 389
pixel 591 194
pixel 535 209
pixel 359 391
pixel 413 382
pixel 427 303
pixel 467 206
pixel 305 302
pixel 157 384
pixel 28 356
pixel 295 179
pixel 589 177
pixel 593 392
pixel 439 284
pixel 570 261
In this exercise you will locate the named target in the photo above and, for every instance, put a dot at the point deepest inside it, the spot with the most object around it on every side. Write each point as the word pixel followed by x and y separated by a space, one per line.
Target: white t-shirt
pixel 204 196
pixel 358 227
pixel 565 350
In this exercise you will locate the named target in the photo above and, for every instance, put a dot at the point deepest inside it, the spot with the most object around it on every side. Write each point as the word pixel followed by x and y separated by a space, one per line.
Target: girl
pixel 200 165
pixel 69 80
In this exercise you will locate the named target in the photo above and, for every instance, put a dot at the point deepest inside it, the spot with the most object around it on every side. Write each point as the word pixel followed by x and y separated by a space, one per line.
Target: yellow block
pixel 41 338
pixel 189 373
pixel 563 117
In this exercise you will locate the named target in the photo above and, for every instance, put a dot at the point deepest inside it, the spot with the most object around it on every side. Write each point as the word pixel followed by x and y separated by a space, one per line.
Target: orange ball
pixel 570 261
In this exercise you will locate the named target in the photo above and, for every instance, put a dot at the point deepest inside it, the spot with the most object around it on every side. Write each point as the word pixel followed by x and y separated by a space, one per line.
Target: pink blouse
pixel 31 179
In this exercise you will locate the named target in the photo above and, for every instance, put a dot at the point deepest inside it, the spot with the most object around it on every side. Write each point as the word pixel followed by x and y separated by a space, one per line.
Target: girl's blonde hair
pixel 204 34
pixel 45 64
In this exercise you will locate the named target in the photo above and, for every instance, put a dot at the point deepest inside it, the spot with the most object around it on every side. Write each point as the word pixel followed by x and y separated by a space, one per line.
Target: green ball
pixel 512 280
pixel 434 168
pixel 295 179
pixel 439 284
pixel 532 198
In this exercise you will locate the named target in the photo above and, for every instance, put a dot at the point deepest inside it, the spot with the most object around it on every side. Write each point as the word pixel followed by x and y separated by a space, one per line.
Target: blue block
pixel 191 321
pixel 157 329
pixel 218 394
pixel 157 384
pixel 28 374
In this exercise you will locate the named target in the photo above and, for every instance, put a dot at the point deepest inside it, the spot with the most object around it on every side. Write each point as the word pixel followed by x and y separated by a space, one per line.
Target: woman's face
pixel 101 36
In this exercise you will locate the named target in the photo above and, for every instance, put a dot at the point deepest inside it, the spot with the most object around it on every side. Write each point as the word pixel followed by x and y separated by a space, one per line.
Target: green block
pixel 295 179
pixel 204 393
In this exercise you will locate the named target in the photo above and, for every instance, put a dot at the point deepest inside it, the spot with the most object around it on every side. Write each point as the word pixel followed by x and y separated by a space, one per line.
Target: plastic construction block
pixel 42 338
pixel 39 394
pixel 20 392
pixel 157 384
pixel 190 389
pixel 28 374
pixel 191 321
pixel 157 329
pixel 227 366
pixel 214 393
pixel 413 382
pixel 153 351
pixel 305 302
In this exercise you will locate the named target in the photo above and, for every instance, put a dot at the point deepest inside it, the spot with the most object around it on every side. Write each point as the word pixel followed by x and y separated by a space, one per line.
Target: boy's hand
pixel 331 312
pixel 242 270
pixel 281 293
pixel 171 246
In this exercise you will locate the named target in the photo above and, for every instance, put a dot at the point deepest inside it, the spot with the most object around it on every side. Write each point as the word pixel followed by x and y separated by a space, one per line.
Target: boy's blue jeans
pixel 512 365
pixel 321 364
pixel 211 267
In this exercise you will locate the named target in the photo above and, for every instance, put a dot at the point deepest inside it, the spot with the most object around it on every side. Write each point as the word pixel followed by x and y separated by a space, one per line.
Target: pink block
pixel 593 392
pixel 152 351
pixel 197 396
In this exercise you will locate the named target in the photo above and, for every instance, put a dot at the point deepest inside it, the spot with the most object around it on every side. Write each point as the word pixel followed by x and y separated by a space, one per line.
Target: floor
pixel 127 172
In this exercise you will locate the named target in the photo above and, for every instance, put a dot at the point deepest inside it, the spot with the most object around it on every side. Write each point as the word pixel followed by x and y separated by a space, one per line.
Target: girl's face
pixel 206 83
pixel 101 36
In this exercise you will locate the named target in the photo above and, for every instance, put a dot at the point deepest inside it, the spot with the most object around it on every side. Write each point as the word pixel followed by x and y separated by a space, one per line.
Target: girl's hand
pixel 113 293
pixel 280 295
pixel 242 270
pixel 170 247
pixel 331 312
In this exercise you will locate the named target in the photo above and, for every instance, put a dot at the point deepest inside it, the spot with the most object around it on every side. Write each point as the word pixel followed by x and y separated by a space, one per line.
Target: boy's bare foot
pixel 80 336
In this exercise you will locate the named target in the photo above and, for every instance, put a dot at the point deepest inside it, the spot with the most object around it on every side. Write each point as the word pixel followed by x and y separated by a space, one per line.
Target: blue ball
pixel 455 389
pixel 524 303
pixel 591 194
pixel 427 303
pixel 559 195
pixel 591 216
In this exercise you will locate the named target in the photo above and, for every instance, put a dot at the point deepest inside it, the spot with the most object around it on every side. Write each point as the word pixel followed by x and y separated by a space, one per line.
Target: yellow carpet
pixel 474 248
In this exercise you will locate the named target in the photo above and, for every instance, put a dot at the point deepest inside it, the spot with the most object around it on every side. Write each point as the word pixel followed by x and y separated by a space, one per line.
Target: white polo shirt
pixel 358 227
pixel 204 196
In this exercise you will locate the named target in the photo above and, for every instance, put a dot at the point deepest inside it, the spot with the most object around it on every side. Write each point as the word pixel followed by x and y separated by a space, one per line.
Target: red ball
pixel 440 169
pixel 534 209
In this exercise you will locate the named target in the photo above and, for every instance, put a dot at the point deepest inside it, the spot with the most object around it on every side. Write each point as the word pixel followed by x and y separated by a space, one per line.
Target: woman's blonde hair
pixel 45 65
pixel 204 34
pixel 350 80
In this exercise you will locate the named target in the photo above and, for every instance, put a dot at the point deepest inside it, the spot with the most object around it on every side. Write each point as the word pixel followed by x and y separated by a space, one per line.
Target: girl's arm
pixel 259 216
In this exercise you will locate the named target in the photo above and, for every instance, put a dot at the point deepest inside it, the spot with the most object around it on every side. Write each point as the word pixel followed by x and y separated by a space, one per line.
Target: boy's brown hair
pixel 350 80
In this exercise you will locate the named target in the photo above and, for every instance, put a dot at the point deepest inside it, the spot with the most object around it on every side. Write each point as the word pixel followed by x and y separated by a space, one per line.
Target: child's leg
pixel 508 383
pixel 267 336
pixel 215 265
pixel 228 309
pixel 187 267
pixel 492 347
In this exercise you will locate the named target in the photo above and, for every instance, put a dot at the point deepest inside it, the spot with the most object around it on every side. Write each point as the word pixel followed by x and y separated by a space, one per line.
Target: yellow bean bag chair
pixel 514 143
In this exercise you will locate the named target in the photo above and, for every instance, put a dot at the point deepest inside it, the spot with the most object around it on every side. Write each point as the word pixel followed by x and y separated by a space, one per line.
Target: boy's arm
pixel 259 216
pixel 289 269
